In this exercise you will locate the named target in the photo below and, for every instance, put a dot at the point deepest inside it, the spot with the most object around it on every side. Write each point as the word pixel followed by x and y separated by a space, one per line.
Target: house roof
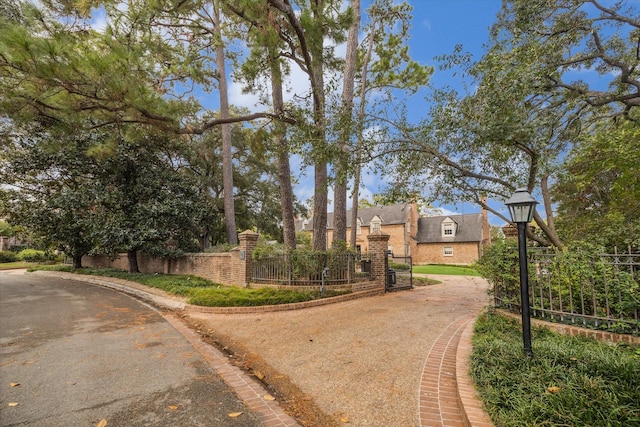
pixel 468 229
pixel 394 214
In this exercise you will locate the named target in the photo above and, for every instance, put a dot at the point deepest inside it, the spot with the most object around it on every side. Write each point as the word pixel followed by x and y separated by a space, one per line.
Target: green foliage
pixel 241 297
pixel 499 265
pixel 597 383
pixel 303 239
pixel 399 266
pixel 8 256
pixel 199 291
pixel 598 195
pixel 6 229
pixel 34 255
pixel 83 192
pixel 578 280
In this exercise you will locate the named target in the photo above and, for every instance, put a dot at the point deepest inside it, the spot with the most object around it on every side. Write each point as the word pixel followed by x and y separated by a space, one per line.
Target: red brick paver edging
pixel 447 397
pixel 471 405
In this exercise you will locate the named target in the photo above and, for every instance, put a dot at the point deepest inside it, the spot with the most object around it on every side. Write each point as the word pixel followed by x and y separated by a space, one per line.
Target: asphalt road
pixel 80 354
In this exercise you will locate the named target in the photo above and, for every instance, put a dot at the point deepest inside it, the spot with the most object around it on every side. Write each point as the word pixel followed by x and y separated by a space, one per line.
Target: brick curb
pixel 472 409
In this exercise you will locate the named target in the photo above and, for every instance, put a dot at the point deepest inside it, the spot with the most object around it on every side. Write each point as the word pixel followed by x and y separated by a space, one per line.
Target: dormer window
pixel 375 224
pixel 448 228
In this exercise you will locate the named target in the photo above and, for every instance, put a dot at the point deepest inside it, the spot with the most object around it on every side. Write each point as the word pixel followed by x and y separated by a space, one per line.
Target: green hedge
pixel 8 256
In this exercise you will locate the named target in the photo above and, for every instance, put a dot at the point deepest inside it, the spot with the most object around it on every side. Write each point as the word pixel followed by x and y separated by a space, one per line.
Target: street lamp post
pixel 521 207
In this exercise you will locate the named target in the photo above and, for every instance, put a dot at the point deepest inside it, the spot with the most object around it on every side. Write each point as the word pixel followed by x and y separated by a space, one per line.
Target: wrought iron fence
pixel 312 269
pixel 594 290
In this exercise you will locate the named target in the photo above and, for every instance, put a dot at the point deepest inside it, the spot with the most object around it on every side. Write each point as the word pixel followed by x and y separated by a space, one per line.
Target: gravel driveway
pixel 359 361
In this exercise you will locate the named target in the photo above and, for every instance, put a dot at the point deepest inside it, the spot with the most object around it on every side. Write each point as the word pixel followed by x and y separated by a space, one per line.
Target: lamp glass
pixel 521 206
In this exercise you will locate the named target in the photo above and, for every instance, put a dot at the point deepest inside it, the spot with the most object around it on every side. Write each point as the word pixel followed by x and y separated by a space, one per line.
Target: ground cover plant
pixel 200 291
pixel 455 270
pixel 570 381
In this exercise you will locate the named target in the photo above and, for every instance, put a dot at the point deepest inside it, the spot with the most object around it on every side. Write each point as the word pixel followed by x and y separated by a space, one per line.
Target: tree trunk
pixel 320 199
pixel 284 168
pixel 77 261
pixel 227 156
pixel 342 162
pixel 354 204
pixel 132 256
pixel 355 200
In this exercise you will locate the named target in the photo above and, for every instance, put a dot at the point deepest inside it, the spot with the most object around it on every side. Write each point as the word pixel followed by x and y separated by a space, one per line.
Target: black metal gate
pixel 399 272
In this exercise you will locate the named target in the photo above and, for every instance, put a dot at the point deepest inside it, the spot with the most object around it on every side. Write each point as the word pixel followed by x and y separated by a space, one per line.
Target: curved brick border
pixel 447 396
pixel 472 410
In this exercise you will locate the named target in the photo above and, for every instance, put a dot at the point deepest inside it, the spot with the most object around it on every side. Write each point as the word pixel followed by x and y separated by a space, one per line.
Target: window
pixel 448 251
pixel 407 227
pixel 375 224
pixel 448 229
pixel 359 227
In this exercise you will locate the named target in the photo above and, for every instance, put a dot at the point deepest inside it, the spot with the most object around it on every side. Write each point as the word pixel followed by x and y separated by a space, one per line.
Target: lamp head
pixel 521 206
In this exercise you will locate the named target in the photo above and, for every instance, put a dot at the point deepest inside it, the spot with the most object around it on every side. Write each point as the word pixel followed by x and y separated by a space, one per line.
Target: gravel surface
pixel 359 361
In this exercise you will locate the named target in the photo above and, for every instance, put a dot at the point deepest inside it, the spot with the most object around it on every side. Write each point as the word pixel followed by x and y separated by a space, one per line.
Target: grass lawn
pixel 569 381
pixel 445 269
pixel 16 264
pixel 199 291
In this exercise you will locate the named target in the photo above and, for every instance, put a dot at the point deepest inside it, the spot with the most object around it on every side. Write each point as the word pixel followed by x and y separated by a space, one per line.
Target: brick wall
pixel 433 253
pixel 232 268
pixel 229 268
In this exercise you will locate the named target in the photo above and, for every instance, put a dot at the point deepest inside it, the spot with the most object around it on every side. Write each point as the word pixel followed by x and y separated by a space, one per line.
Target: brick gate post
pixel 248 240
pixel 378 245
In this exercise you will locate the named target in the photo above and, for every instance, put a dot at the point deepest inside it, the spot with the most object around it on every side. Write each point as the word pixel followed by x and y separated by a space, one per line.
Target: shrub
pixel 34 255
pixel 8 256
pixel 399 266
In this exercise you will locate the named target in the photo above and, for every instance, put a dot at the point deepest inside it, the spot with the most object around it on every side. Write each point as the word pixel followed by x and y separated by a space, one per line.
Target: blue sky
pixel 437 27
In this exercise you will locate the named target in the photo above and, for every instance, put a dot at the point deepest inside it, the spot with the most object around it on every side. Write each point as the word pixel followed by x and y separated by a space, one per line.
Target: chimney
pixel 486 229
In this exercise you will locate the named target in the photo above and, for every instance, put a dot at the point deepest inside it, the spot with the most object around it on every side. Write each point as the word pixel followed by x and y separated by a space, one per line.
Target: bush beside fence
pixel 580 287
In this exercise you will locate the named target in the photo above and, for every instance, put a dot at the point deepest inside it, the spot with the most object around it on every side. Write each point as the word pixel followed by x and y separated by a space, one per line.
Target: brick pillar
pixel 248 242
pixel 378 245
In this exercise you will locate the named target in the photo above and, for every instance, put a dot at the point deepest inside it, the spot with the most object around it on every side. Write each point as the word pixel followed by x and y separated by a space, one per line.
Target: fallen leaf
pixel 268 397
pixel 235 414
pixel 14 384
pixel 12 404
pixel 258 375
pixel 573 359
pixel 344 419
pixel 102 423
pixel 173 407
pixel 553 389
